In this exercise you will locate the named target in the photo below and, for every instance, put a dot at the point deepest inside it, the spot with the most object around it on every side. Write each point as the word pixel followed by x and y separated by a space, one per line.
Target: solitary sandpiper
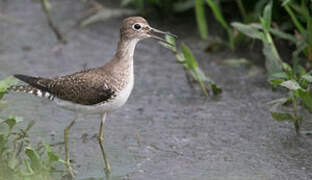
pixel 98 90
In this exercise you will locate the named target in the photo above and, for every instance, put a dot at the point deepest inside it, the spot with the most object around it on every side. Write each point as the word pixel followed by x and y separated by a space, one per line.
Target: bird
pixel 99 90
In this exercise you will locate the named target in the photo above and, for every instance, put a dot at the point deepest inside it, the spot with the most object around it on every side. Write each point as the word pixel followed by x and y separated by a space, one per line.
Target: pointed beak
pixel 154 31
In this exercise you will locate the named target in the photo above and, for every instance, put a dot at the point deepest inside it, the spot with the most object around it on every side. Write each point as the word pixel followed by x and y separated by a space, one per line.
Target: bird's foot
pixel 70 172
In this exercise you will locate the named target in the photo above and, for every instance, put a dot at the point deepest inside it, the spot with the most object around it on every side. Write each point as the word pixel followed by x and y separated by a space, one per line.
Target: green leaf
pixel 248 30
pixel 190 61
pixel 170 40
pixel 280 116
pixel 287 68
pixel 276 82
pixel 291 84
pixel 272 59
pixel 242 10
pixel 307 77
pixel 283 35
pixel 35 162
pixel 276 32
pixel 218 14
pixel 12 120
pixel 258 7
pixel 6 83
pixel 180 58
pixel 267 15
pixel 285 2
pixel 187 59
pixel 279 75
pixel 236 62
pixel 279 101
pixel 306 98
pixel 201 19
pixel 28 168
pixel 298 69
pixel 52 155
pixel 294 19
pixel 215 89
pixel 201 75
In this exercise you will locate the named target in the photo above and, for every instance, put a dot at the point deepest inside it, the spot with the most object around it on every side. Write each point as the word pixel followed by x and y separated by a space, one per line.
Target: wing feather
pixel 78 88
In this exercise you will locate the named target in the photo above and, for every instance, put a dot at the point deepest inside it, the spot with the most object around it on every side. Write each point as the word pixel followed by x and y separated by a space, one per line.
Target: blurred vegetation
pixel 267 21
pixel 187 59
pixel 19 159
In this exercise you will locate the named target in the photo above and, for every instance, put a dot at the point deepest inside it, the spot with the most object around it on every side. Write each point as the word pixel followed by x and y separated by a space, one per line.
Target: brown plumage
pixel 98 90
pixel 95 85
pixel 78 88
pixel 100 84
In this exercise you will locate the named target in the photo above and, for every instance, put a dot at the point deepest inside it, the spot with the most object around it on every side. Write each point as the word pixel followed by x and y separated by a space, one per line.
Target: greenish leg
pixel 100 139
pixel 66 133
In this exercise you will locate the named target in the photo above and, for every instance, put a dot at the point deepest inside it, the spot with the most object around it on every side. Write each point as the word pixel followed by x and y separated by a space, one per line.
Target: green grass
pixel 294 78
pixel 19 158
pixel 185 57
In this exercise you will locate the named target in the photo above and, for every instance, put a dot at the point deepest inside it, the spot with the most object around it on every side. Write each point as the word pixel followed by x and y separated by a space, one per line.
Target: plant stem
pixel 54 28
pixel 202 85
pixel 201 19
pixel 297 119
pixel 294 19
pixel 242 9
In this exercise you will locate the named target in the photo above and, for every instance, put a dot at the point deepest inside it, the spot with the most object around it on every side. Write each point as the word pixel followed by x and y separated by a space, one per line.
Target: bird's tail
pixel 31 90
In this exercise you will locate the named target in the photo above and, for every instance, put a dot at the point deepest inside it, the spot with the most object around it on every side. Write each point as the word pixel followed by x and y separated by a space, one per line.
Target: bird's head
pixel 137 28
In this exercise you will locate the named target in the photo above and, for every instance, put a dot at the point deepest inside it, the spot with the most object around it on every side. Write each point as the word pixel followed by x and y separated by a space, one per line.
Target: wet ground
pixel 167 130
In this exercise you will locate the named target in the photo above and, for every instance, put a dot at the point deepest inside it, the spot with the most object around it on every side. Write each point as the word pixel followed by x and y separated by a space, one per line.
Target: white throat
pixel 131 47
pixel 126 49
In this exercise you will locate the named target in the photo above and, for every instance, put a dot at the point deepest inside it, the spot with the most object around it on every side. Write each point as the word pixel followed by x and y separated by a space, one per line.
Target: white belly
pixel 108 106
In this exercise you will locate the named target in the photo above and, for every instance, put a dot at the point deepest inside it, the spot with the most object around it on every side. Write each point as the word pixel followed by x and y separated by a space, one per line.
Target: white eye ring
pixel 137 26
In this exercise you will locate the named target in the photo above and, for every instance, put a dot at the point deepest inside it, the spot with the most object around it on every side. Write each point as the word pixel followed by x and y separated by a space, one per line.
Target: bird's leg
pixel 100 139
pixel 66 133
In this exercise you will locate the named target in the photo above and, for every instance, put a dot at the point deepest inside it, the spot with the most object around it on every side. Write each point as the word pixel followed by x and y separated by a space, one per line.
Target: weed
pixel 187 59
pixel 295 78
pixel 19 159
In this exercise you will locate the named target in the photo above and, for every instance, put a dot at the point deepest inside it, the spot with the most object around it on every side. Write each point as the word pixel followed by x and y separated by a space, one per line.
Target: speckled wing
pixel 78 88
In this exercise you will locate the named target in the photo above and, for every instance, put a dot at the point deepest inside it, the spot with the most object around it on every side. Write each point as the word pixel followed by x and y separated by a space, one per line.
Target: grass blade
pixel 280 116
pixel 242 9
pixel 248 30
pixel 201 19
pixel 218 14
pixel 294 19
pixel 267 16
pixel 189 57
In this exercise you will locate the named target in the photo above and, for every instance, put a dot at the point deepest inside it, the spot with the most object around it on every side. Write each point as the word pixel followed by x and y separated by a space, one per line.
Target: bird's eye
pixel 137 26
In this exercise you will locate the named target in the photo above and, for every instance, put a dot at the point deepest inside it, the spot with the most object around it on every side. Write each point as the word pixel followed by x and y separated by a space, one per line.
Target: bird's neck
pixel 125 49
pixel 120 69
